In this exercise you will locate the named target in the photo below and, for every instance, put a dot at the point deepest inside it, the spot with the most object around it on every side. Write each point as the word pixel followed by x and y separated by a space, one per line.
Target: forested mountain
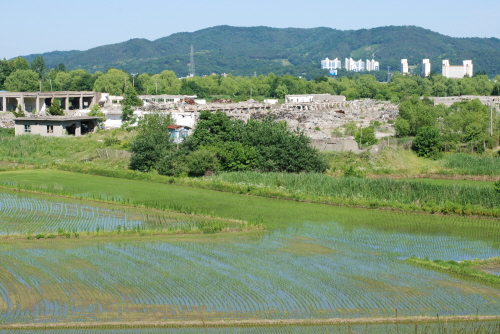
pixel 249 50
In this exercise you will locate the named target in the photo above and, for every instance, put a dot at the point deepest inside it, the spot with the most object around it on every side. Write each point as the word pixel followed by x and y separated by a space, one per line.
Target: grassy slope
pixel 43 151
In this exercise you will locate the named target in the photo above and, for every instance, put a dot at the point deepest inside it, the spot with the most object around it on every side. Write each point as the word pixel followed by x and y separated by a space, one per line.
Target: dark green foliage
pixel 496 186
pixel 152 143
pixel 427 142
pixel 366 136
pixel 130 97
pixel 263 145
pixel 276 147
pixel 234 156
pixel 55 108
pixel 95 111
pixel 417 113
pixel 352 172
pixel 127 114
pixel 19 112
pixel 202 162
pixel 22 81
pixel 4 132
pixel 38 66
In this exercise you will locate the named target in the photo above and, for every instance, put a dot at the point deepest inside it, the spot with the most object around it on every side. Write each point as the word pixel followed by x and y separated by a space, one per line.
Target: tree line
pixel 468 125
pixel 20 75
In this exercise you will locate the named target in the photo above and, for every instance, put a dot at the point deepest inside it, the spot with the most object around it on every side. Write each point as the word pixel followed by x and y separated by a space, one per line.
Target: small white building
pixel 178 132
pixel 426 67
pixel 457 72
pixel 302 98
pixel 187 119
pixel 55 126
pixel 270 101
pixel 308 98
pixel 404 66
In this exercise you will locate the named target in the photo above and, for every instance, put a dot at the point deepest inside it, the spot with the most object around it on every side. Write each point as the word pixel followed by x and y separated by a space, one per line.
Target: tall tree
pixel 113 82
pixel 22 81
pixel 38 66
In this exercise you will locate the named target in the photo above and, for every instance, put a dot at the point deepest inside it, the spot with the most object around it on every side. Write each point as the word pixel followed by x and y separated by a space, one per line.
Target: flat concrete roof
pixel 55 118
pixel 49 94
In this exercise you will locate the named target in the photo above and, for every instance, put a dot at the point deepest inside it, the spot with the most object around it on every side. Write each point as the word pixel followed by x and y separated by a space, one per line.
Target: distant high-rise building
pixel 404 66
pixel 457 72
pixel 331 65
pixel 426 67
pixel 355 66
pixel 372 65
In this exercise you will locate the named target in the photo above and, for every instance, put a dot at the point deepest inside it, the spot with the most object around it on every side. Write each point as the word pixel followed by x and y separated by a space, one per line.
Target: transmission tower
pixel 191 63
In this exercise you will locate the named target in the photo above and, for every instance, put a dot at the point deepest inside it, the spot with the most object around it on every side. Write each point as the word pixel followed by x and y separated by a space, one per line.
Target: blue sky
pixel 34 26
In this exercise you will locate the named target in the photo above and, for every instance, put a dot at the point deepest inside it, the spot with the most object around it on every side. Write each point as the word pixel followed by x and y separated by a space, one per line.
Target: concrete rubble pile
pixel 189 101
pixel 222 101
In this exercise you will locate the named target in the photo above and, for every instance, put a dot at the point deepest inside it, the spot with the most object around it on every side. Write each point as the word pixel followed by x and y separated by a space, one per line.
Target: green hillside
pixel 245 50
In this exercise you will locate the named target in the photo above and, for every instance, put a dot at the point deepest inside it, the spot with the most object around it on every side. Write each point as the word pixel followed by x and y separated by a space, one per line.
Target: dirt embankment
pixel 256 322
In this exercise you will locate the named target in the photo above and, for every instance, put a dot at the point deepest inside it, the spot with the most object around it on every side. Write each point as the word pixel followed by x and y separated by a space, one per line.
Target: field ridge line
pixel 253 322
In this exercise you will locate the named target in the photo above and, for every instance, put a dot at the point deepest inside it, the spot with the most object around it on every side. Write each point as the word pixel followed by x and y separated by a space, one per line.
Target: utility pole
pixel 40 84
pixel 156 86
pixel 133 78
pixel 388 74
pixel 491 120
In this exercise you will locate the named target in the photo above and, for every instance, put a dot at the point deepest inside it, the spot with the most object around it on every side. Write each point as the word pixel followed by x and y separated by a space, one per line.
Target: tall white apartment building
pixel 457 72
pixel 331 64
pixel 404 66
pixel 355 66
pixel 372 65
pixel 426 67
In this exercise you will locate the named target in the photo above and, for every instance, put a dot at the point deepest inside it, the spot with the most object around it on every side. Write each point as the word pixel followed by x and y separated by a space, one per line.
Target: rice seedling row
pixel 306 271
pixel 316 262
pixel 22 214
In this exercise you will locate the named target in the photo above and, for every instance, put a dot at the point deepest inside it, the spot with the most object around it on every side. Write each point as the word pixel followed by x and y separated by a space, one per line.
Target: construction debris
pixel 189 101
pixel 222 101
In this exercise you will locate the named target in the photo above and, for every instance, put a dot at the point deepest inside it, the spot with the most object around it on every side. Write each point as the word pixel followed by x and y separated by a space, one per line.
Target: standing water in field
pixel 28 214
pixel 301 271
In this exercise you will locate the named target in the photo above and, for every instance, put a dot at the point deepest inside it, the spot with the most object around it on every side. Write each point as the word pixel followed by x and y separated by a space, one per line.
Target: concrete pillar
pixel 80 103
pixel 4 104
pixel 38 104
pixel 66 104
pixel 21 102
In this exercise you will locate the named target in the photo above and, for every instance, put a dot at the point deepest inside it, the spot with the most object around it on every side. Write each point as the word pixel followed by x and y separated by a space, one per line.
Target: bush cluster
pixel 222 143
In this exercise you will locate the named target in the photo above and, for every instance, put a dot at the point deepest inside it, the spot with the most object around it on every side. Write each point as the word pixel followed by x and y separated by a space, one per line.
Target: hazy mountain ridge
pixel 245 50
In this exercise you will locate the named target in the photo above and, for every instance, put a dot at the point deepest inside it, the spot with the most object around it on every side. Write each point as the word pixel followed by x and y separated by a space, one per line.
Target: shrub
pixel 201 162
pixel 55 108
pixel 427 142
pixel 352 172
pixel 366 136
pixel 496 186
